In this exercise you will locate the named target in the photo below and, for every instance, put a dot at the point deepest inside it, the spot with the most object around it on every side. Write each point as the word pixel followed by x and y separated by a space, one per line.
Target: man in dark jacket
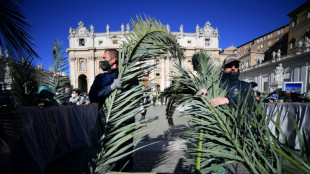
pixel 229 81
pixel 105 83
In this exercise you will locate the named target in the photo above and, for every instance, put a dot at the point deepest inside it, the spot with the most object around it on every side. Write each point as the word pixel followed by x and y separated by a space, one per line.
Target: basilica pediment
pixel 208 30
pixel 81 30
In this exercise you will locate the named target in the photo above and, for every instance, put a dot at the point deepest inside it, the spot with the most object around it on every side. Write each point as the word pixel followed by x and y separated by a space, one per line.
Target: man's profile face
pixel 107 57
pixel 232 67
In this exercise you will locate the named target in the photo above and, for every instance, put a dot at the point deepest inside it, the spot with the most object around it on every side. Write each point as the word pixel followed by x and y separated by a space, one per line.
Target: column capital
pixel 92 58
pixel 72 59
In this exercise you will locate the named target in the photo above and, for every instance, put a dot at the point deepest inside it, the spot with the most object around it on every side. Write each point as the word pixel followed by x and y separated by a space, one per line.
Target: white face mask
pixel 255 89
pixel 72 95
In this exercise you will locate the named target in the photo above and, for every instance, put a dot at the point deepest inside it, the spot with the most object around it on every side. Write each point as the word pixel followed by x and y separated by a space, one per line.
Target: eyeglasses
pixel 230 65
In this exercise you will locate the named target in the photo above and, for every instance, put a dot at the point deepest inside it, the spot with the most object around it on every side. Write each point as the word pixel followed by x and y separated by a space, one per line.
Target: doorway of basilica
pixel 83 83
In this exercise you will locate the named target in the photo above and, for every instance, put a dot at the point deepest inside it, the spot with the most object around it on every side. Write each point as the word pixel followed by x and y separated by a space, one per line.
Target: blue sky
pixel 238 21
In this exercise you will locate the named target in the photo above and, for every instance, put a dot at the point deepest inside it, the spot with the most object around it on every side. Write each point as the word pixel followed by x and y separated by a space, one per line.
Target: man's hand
pixel 116 84
pixel 202 92
pixel 219 101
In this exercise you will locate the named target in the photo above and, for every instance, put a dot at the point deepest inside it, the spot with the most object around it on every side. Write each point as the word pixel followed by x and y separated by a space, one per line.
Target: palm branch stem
pixel 199 149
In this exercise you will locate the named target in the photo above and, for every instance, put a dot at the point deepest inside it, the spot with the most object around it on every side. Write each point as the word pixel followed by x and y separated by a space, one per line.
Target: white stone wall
pixel 297 70
pixel 92 51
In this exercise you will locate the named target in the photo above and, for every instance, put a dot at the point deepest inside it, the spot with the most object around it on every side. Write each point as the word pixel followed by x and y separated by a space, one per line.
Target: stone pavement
pixel 167 155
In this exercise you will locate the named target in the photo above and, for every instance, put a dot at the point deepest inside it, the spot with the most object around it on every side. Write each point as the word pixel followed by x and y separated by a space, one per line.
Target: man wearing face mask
pixel 76 98
pixel 105 83
pixel 229 80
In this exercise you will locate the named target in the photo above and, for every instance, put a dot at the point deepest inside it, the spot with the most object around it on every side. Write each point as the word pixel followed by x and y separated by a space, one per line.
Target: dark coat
pixel 234 86
pixel 101 88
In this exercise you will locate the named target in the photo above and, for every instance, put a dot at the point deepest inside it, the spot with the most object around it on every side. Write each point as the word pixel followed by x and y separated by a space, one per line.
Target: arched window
pixel 82 66
pixel 157 63
pixel 174 63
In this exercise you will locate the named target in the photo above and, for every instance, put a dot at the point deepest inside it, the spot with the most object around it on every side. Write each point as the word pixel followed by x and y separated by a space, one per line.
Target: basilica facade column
pixel 163 76
pixel 73 71
pixel 92 69
pixel 168 73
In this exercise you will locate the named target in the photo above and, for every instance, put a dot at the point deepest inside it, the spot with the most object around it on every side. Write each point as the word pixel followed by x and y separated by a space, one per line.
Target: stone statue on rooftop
pixel 108 28
pixel 307 42
pixel 274 54
pixel 127 27
pixel 122 27
pixel 197 28
pixel 279 53
pixel 92 28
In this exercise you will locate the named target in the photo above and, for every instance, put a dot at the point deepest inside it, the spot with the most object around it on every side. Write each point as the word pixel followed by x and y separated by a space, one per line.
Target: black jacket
pixel 234 86
pixel 101 87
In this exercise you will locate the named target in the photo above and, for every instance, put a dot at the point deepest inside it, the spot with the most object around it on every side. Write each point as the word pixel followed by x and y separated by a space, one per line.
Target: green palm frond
pixel 22 72
pixel 57 81
pixel 236 134
pixel 186 83
pixel 15 31
pixel 149 40
pixel 15 37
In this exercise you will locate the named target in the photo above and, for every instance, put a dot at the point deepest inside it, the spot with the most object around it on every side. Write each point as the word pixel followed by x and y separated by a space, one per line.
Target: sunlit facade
pixel 87 47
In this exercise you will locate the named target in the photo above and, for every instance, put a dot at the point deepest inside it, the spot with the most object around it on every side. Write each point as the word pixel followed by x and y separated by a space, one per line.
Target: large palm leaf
pixel 236 134
pixel 15 37
pixel 148 40
pixel 15 31
pixel 57 81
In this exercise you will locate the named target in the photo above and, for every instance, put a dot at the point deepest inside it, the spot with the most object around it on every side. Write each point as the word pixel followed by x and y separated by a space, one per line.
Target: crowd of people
pixel 44 96
pixel 280 96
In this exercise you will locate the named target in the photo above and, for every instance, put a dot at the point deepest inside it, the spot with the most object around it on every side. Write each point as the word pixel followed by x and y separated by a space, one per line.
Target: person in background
pixel 255 89
pixel 31 89
pixel 66 96
pixel 307 96
pixel 294 96
pixel 156 94
pixel 144 101
pixel 86 97
pixel 272 97
pixel 76 97
pixel 46 97
pixel 254 86
pixel 257 96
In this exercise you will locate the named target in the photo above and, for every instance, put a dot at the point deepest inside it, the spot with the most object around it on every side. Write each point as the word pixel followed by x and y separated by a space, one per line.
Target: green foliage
pixel 16 38
pixel 22 73
pixel 15 31
pixel 147 41
pixel 57 81
pixel 237 134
